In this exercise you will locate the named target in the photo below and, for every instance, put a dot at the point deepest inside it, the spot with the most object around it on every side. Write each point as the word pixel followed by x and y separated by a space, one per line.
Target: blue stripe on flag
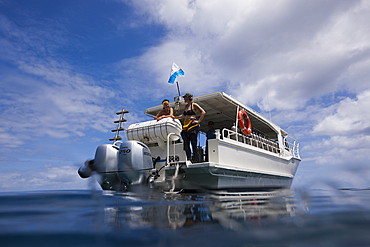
pixel 173 77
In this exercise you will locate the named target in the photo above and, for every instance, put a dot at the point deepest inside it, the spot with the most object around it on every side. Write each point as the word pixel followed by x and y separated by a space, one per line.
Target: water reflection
pixel 231 208
pixel 228 209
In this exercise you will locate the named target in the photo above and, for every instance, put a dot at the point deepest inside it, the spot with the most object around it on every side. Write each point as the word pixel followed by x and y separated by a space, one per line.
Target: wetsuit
pixel 189 135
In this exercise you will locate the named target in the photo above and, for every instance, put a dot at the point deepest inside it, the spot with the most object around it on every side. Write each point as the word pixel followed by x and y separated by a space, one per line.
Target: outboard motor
pixel 86 169
pixel 134 163
pixel 130 165
pixel 105 164
pixel 120 168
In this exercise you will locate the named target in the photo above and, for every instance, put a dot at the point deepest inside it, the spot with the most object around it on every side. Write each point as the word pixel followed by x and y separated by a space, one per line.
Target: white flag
pixel 175 72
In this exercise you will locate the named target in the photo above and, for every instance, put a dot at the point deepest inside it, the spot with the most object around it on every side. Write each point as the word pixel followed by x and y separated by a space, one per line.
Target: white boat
pixel 153 154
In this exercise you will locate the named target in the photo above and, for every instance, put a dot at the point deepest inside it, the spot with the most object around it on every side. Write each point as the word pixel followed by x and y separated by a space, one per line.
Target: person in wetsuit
pixel 167 111
pixel 190 128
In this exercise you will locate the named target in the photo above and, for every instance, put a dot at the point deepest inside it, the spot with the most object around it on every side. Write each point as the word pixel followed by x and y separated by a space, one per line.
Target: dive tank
pixel 134 162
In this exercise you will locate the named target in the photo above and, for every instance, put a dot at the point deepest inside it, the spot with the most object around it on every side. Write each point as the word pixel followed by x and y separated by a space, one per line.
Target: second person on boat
pixel 167 111
pixel 190 128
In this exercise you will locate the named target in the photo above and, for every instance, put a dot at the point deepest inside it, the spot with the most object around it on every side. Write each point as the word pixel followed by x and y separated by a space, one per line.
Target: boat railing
pixel 253 140
pixel 168 155
pixel 292 146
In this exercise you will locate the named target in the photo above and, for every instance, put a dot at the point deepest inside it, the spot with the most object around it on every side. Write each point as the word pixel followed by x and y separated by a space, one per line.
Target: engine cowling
pixel 118 168
pixel 134 162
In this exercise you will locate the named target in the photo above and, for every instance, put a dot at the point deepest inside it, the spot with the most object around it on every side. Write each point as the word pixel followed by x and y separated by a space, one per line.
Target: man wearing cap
pixel 190 128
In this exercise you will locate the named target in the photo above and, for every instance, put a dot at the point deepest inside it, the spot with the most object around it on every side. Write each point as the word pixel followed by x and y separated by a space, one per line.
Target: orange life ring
pixel 241 116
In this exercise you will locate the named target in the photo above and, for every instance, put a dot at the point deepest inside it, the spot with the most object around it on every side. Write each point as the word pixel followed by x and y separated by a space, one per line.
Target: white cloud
pixel 341 132
pixel 47 178
pixel 352 118
pixel 299 53
pixel 173 14
pixel 41 93
pixel 287 56
pixel 299 50
pixel 57 110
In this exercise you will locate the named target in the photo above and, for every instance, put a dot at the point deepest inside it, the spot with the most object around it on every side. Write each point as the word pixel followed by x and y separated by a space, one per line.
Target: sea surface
pixel 156 218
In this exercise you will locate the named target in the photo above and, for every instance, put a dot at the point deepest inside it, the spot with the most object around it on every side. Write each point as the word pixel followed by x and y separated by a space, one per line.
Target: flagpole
pixel 177 103
pixel 178 88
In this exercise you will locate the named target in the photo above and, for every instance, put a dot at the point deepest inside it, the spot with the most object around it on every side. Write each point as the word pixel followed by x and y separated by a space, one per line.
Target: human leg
pixel 186 144
pixel 194 142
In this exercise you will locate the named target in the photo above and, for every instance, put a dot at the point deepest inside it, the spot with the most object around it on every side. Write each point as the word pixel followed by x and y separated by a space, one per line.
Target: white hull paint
pixel 267 158
pixel 237 165
pixel 235 155
pixel 211 176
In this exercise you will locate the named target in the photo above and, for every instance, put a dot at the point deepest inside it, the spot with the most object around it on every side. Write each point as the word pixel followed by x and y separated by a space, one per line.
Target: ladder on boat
pixel 119 127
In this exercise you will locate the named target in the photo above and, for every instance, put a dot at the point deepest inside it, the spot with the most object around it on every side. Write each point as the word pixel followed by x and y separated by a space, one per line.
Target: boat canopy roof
pixel 222 110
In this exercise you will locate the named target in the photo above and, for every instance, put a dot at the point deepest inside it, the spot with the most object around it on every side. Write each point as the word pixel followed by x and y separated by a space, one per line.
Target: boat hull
pixel 215 176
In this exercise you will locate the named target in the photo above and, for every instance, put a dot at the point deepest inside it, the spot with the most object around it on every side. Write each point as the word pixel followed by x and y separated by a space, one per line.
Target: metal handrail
pixel 293 146
pixel 168 147
pixel 252 140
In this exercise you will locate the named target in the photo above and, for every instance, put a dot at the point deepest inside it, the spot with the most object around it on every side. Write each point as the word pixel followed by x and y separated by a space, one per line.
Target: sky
pixel 66 68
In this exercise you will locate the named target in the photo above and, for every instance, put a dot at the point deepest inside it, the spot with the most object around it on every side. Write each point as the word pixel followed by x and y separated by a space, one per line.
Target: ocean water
pixel 155 218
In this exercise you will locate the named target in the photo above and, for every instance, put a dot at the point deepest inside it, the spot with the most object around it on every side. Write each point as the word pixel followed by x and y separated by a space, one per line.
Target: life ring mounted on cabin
pixel 241 116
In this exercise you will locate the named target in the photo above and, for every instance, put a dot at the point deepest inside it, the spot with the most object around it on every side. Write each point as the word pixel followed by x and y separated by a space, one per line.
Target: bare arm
pixel 158 115
pixel 202 112
pixel 163 116
pixel 178 117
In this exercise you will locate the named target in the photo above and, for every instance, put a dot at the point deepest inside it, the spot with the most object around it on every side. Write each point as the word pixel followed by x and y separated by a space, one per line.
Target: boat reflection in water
pixel 230 210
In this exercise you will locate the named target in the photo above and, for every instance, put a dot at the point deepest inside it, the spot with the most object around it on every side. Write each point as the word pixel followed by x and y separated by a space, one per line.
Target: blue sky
pixel 67 66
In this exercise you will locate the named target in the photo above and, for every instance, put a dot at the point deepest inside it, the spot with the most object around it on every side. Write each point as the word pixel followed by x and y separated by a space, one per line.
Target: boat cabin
pixel 223 110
